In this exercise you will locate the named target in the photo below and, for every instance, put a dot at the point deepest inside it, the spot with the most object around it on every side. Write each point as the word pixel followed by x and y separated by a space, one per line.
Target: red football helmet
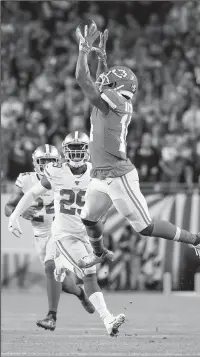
pixel 119 78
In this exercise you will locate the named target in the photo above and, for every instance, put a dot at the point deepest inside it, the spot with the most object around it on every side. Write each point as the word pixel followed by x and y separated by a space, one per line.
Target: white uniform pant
pixel 45 248
pixel 72 248
pixel 124 193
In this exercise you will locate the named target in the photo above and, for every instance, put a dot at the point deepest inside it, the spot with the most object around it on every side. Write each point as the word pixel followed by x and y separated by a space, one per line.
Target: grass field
pixel 156 326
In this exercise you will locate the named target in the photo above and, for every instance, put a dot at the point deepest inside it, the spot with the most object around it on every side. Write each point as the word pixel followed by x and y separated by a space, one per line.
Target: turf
pixel 156 325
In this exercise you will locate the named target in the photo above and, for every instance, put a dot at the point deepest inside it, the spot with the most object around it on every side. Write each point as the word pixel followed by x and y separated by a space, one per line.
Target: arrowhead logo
pixel 76 182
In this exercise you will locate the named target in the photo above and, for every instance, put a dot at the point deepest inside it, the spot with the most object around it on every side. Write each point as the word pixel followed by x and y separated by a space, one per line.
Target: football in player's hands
pixel 84 28
pixel 29 214
pixel 87 33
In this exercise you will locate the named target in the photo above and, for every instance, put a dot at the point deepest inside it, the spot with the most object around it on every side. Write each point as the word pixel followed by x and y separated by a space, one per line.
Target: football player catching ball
pixel 114 178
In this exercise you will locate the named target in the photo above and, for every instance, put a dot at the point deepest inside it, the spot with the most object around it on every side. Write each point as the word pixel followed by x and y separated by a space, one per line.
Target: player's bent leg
pixel 73 249
pixel 169 231
pixel 65 273
pixel 93 291
pixel 100 254
pixel 95 231
pixel 112 323
pixel 45 248
pixel 70 251
pixel 53 293
pixel 69 286
pixel 97 203
pixel 40 246
pixel 131 203
pixel 53 287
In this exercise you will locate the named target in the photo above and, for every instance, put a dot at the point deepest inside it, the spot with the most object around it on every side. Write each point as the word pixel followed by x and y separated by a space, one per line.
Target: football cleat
pixel 112 323
pixel 92 259
pixel 48 323
pixel 88 306
pixel 197 247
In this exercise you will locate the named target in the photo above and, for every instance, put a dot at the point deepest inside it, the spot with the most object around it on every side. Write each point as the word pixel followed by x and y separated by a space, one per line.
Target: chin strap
pixel 76 166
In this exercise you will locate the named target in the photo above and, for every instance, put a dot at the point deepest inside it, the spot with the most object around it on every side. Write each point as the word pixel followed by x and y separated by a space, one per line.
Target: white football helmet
pixel 43 155
pixel 75 149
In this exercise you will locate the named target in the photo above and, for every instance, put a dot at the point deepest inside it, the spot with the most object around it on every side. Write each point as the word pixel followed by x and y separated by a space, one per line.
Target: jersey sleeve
pixel 112 98
pixel 21 180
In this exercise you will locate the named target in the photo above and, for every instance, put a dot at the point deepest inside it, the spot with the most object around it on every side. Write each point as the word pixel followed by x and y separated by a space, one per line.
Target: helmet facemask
pixel 40 163
pixel 76 154
pixel 103 80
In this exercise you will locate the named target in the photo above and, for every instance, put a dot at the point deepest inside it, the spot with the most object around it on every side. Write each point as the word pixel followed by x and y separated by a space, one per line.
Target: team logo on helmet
pixel 120 79
pixel 43 155
pixel 75 149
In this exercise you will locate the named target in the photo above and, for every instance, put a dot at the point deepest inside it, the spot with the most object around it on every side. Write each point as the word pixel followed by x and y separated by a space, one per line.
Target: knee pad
pixel 49 268
pixel 148 230
pixel 88 223
pixel 94 229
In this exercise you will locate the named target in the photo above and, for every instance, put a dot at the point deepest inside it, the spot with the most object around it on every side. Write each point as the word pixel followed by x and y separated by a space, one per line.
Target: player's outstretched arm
pixel 26 201
pixel 13 201
pixel 101 53
pixel 83 77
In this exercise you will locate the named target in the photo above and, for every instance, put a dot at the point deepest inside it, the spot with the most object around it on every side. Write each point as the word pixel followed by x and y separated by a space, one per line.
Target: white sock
pixel 97 299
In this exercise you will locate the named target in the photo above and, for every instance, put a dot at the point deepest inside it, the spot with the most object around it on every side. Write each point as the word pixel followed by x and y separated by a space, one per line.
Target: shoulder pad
pixel 112 98
pixel 22 178
pixel 52 169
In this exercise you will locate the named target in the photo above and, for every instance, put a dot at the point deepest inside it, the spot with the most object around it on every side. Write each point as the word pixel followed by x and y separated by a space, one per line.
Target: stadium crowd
pixel 41 101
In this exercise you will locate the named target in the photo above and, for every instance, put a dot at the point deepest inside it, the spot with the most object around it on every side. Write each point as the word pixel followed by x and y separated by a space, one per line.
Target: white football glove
pixel 101 50
pixel 87 39
pixel 14 227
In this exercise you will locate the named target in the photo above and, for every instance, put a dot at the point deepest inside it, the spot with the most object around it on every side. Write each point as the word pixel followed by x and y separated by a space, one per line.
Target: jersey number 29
pixel 73 197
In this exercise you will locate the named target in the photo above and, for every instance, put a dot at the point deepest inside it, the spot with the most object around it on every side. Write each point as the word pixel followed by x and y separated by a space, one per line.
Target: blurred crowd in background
pixel 41 102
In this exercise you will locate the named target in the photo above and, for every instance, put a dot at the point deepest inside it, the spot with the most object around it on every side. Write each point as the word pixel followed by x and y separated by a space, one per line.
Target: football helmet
pixel 43 155
pixel 75 149
pixel 120 79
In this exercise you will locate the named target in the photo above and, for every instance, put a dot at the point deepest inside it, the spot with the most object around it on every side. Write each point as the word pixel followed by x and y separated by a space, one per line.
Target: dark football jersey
pixel 108 137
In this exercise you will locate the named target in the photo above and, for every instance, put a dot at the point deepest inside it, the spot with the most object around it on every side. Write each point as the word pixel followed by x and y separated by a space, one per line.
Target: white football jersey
pixel 44 204
pixel 69 191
